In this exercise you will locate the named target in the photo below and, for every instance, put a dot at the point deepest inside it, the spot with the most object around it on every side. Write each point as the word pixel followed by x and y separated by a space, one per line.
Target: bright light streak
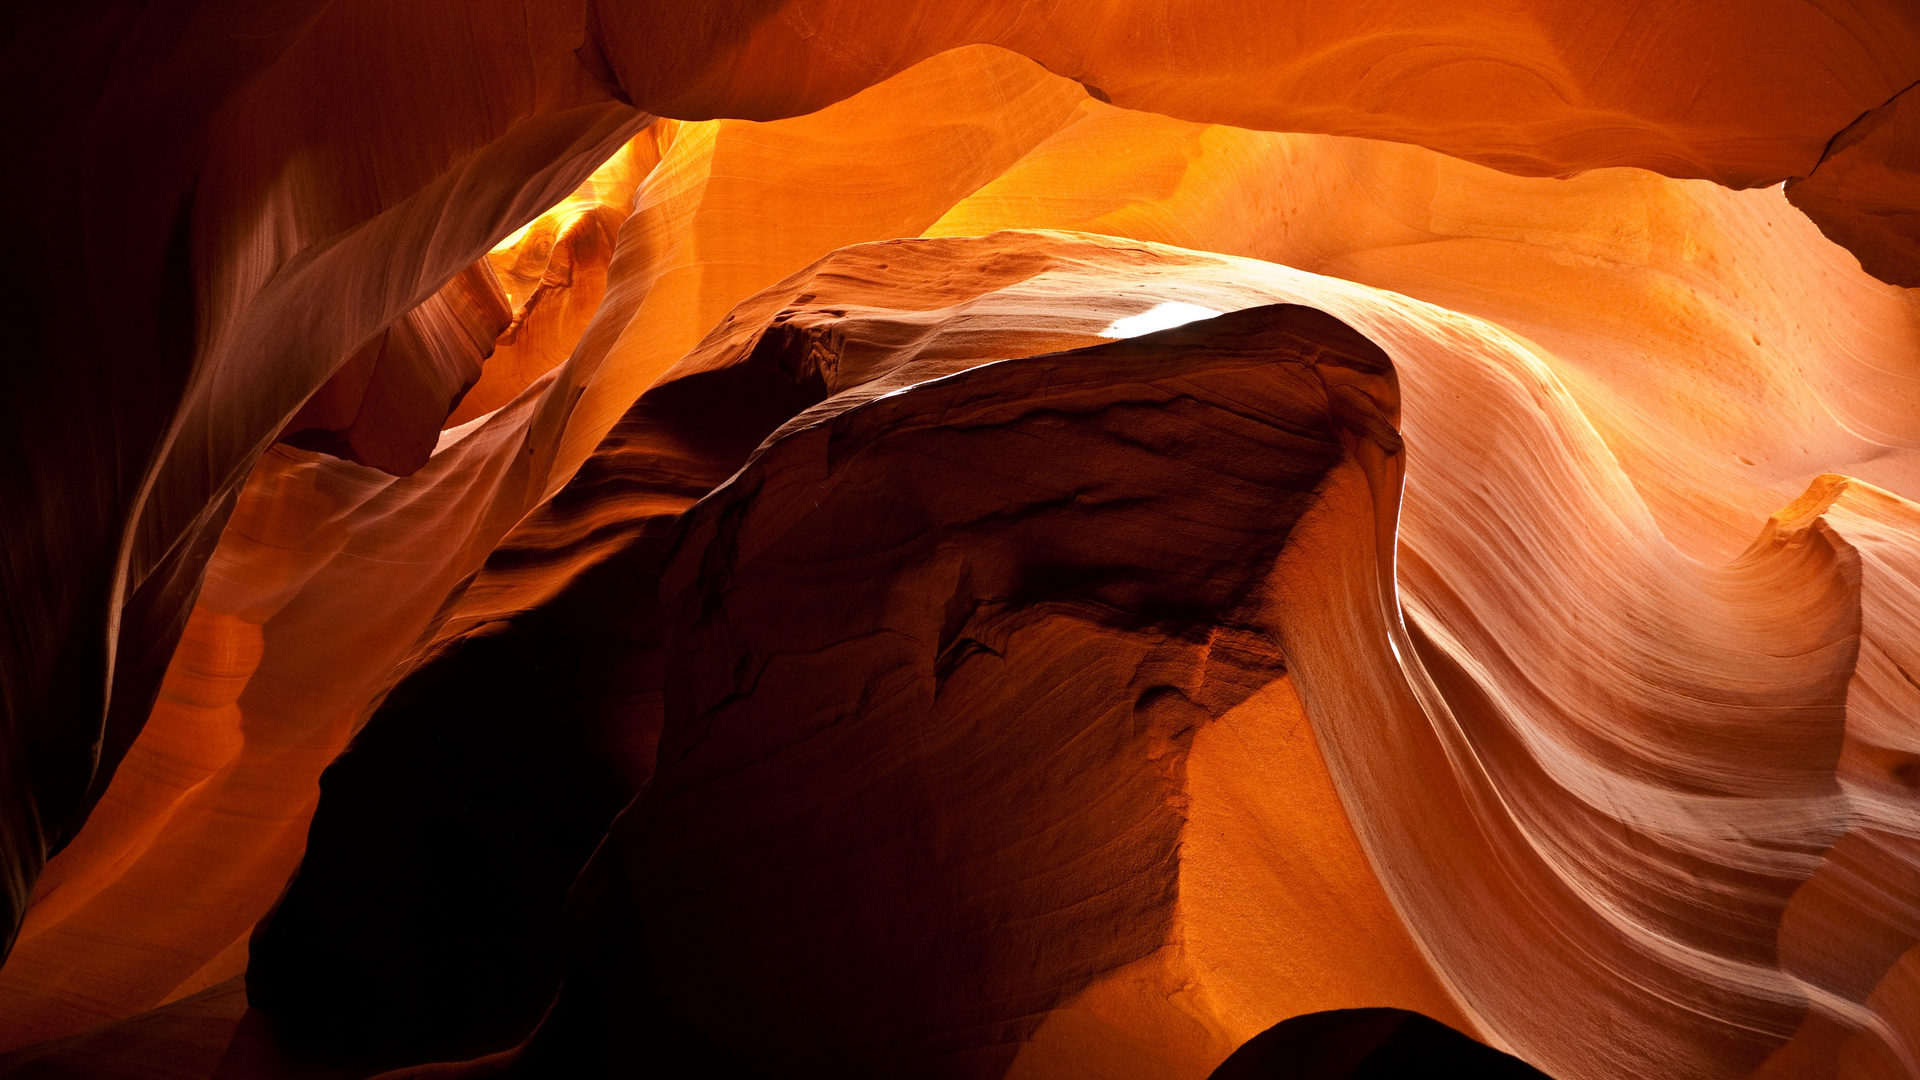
pixel 514 237
pixel 1164 316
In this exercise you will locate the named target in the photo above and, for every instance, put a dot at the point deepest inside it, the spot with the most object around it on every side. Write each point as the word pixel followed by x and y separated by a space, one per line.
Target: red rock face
pixel 1858 191
pixel 757 613
pixel 383 408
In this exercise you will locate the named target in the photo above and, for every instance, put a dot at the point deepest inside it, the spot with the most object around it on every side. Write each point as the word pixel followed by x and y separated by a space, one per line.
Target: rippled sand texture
pixel 762 602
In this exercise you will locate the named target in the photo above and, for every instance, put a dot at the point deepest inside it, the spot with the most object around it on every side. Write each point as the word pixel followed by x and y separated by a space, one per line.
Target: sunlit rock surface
pixel 1610 706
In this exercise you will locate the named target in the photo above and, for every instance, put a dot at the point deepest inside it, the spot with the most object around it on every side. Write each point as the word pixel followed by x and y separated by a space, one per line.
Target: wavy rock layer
pixel 288 208
pixel 1534 829
pixel 480 819
pixel 1553 806
pixel 380 555
pixel 384 407
pixel 1012 669
pixel 293 207
pixel 1860 193
pixel 1675 784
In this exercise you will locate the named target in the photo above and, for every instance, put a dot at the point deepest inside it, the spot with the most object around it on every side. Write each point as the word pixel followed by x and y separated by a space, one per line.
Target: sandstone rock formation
pixel 1491 748
pixel 1007 710
pixel 384 406
pixel 1859 193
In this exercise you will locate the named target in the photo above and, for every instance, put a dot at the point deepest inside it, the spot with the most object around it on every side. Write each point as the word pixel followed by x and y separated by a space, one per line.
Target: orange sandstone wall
pixel 297 206
pixel 1661 364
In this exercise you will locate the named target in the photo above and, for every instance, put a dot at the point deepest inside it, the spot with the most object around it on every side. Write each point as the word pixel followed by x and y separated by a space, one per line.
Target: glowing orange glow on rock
pixel 1144 540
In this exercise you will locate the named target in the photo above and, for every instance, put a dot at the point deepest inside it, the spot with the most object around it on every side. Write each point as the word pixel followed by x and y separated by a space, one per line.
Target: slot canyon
pixel 1027 539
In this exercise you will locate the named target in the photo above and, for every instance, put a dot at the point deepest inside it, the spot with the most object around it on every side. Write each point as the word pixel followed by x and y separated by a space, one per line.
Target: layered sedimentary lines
pixel 1526 829
pixel 987 652
pixel 753 614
